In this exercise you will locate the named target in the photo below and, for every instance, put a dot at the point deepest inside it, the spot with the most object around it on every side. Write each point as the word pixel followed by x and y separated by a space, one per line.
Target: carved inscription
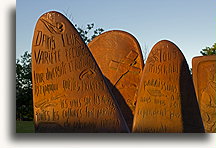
pixel 159 108
pixel 47 57
pixel 68 87
pixel 45 40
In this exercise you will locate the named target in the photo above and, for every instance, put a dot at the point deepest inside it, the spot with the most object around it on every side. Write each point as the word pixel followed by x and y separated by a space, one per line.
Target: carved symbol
pixel 42 104
pixel 127 65
pixel 87 73
pixel 155 93
pixel 57 28
pixel 153 57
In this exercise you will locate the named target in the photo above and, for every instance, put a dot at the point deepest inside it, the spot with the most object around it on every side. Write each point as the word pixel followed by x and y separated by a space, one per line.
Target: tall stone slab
pixel 166 100
pixel 204 77
pixel 70 94
pixel 119 57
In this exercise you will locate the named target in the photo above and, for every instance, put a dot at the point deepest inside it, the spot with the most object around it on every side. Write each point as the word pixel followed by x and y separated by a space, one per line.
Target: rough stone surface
pixel 204 77
pixel 69 91
pixel 119 57
pixel 166 100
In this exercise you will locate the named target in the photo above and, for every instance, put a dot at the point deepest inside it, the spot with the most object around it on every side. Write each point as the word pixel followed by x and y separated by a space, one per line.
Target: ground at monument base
pixel 25 127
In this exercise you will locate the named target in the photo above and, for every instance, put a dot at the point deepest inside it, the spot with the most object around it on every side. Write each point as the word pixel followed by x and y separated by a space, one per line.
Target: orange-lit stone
pixel 204 77
pixel 69 91
pixel 166 99
pixel 119 57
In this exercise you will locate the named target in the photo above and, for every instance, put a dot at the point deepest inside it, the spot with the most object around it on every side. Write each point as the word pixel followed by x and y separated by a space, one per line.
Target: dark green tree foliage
pixel 209 50
pixel 24 108
pixel 85 33
pixel 24 101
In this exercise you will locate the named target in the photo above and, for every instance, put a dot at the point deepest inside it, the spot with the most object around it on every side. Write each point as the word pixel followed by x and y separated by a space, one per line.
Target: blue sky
pixel 190 24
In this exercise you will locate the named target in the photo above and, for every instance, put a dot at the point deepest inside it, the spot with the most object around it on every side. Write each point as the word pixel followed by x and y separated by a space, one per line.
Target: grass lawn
pixel 25 127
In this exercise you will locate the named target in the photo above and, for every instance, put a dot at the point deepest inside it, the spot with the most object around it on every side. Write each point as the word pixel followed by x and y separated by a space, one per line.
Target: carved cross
pixel 126 65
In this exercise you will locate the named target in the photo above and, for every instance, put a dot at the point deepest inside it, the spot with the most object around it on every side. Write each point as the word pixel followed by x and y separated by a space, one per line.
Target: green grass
pixel 25 127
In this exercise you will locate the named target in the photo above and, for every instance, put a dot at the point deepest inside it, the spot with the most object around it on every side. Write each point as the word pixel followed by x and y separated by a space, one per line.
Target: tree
pixel 24 88
pixel 84 33
pixel 24 102
pixel 209 51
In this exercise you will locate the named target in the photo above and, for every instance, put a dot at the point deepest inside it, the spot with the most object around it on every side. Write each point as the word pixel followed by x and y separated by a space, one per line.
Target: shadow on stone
pixel 124 108
pixel 192 121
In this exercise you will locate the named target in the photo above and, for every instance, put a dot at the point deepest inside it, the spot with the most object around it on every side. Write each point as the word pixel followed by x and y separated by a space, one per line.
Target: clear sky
pixel 190 24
